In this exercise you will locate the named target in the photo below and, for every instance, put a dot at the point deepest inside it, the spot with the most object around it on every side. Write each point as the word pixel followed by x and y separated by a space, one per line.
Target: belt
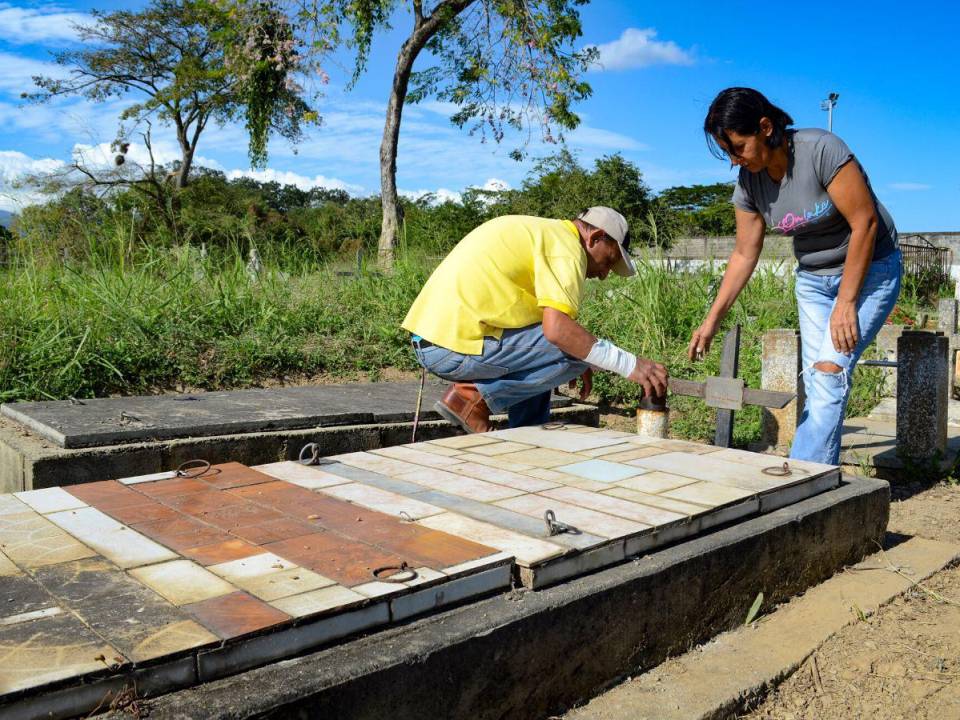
pixel 420 342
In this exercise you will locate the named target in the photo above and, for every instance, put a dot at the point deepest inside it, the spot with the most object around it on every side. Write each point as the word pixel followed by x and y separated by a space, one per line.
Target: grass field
pixel 172 319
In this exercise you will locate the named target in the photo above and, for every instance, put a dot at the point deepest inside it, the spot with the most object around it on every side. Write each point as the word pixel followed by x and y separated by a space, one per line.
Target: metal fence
pixel 923 259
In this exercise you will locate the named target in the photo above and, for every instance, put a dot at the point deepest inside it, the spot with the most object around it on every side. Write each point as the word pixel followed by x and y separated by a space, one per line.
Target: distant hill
pixel 6 218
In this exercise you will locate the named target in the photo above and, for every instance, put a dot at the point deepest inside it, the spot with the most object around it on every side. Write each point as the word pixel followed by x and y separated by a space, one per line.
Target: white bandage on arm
pixel 607 356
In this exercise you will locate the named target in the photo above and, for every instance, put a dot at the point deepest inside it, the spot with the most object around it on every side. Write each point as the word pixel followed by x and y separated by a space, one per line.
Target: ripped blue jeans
pixel 818 433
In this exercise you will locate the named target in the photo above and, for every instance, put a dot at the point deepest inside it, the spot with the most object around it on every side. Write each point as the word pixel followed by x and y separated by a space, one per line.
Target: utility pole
pixel 828 105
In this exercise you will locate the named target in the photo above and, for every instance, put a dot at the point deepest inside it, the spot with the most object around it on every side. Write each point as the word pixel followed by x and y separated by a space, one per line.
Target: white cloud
pixel 13 167
pixel 17 71
pixel 638 47
pixel 910 186
pixel 44 24
pixel 442 195
pixel 286 177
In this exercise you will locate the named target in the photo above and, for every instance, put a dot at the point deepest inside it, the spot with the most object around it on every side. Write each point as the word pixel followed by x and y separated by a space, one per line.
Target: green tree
pixel 187 62
pixel 504 64
pixel 702 209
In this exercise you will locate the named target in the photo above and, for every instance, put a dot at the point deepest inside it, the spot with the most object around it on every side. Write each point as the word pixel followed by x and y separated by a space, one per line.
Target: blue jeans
pixel 818 433
pixel 515 374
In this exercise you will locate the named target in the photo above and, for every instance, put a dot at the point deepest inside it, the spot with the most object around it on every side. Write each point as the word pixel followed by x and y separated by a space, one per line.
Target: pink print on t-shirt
pixel 790 222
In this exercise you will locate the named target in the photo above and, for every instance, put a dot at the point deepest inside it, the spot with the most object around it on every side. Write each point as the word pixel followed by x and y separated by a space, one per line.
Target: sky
pixel 893 65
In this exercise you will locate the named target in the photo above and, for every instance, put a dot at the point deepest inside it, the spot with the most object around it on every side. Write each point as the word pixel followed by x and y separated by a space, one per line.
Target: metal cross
pixel 727 392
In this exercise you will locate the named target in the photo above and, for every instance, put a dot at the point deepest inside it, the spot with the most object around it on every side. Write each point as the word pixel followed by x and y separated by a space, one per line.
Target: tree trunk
pixel 186 165
pixel 424 29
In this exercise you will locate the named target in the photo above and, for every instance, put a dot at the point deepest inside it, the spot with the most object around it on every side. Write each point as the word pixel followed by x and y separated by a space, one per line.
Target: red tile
pixel 199 504
pixel 182 533
pixel 242 515
pixel 142 513
pixel 171 486
pixel 236 614
pixel 231 475
pixel 220 552
pixel 273 531
pixel 351 564
pixel 105 494
pixel 435 549
pixel 306 546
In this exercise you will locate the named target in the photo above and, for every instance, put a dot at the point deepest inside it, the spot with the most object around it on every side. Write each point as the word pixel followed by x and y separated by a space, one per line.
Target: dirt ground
pixel 902 662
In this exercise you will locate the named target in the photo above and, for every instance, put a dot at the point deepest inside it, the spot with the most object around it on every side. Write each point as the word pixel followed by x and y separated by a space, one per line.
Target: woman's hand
pixel 701 339
pixel 844 327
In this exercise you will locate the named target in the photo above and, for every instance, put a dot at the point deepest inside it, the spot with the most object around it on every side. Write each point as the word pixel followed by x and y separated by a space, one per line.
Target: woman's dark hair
pixel 739 110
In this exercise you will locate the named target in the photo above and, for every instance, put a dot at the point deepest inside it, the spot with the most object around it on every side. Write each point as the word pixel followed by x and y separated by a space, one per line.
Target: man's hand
pixel 844 327
pixel 586 383
pixel 652 376
pixel 701 339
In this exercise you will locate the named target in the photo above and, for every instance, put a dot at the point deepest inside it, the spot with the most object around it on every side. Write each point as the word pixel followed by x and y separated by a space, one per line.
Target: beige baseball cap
pixel 615 226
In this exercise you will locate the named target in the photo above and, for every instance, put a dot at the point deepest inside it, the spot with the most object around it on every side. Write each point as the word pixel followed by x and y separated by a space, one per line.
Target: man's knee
pixel 827 367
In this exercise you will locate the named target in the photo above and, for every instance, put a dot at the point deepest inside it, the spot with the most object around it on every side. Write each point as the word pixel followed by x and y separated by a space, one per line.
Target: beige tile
pixel 459 442
pixel 494 461
pixel 7 567
pixel 251 567
pixel 543 457
pixel 682 446
pixel 375 463
pixel 607 450
pixel 483 563
pixel 50 500
pixel 382 501
pixel 658 501
pixel 182 582
pixel 581 428
pixel 708 494
pixel 31 541
pixel 615 506
pixel 603 432
pixel 500 448
pixel 505 477
pixel 315 601
pixel 379 589
pixel 584 483
pixel 526 550
pixel 306 476
pixel 137 479
pixel 547 474
pixel 416 456
pixel 433 449
pixel 761 460
pixel 424 575
pixel 714 470
pixel 556 439
pixel 284 583
pixel 591 521
pixel 122 545
pixel 461 485
pixel 9 505
pixel 636 452
pixel 655 482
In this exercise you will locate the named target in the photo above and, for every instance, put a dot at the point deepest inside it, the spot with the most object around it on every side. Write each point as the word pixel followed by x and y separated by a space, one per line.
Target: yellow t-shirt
pixel 500 276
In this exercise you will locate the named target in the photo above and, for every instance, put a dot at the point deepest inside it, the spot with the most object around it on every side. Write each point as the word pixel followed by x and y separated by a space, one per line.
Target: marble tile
pixel 465 568
pixel 116 542
pixel 368 477
pixel 325 599
pixel 50 500
pixel 607 450
pixel 264 563
pixel 417 456
pixel 459 442
pixel 644 514
pixel 708 494
pixel 182 582
pixel 382 500
pixel 133 618
pixel 547 474
pixel 36 653
pixel 604 432
pixel 657 501
pixel 31 541
pixel 526 483
pixel 584 484
pixel 305 476
pixel 236 614
pixel 31 616
pixel 375 463
pixel 542 457
pixel 433 449
pixel 500 448
pixel 137 479
pixel 761 460
pixel 556 440
pixel 636 452
pixel 283 583
pixel 461 485
pixel 601 470
pixel 713 470
pixel 9 505
pixel 7 567
pixel 574 428
pixel 527 550
pixel 377 589
pixel 494 461
pixel 655 481
pixel 591 521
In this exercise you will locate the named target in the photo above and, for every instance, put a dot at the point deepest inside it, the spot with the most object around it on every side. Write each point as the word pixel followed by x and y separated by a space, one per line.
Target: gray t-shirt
pixel 799 205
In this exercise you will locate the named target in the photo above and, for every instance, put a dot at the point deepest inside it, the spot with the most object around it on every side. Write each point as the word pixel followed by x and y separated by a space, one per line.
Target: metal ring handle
pixel 404 570
pixel 555 425
pixel 778 471
pixel 314 451
pixel 193 468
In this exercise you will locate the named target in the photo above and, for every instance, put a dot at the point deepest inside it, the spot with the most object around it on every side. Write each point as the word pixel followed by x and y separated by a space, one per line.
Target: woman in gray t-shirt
pixel 808 185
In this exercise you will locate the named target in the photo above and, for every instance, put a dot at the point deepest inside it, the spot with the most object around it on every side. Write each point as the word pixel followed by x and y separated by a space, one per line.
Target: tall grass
pixel 122 323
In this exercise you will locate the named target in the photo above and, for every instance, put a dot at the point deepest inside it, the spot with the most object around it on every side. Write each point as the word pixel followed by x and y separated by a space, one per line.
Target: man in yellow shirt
pixel 498 317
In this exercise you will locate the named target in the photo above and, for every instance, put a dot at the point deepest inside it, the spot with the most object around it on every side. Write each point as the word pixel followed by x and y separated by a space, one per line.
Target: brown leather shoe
pixel 463 405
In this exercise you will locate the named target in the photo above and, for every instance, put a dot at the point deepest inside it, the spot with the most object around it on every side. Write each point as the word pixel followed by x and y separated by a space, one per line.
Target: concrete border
pixel 533 654
pixel 30 463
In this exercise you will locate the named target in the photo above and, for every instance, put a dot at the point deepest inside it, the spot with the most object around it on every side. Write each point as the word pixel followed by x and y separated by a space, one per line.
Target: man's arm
pixel 575 340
